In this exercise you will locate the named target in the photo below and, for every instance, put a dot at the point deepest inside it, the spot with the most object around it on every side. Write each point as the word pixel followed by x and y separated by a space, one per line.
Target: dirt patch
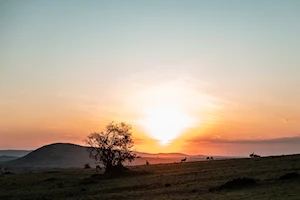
pixel 118 174
pixel 235 184
pixel 96 178
pixel 167 185
pixel 288 176
pixel 52 179
pixel 8 173
pixel 52 172
pixel 119 169
pixel 87 181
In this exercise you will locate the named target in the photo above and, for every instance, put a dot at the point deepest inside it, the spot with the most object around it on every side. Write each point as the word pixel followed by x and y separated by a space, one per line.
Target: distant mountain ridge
pixel 16 153
pixel 161 155
pixel 66 155
pixel 7 158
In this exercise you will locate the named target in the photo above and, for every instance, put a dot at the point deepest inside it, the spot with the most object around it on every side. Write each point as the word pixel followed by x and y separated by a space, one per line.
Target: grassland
pixel 193 180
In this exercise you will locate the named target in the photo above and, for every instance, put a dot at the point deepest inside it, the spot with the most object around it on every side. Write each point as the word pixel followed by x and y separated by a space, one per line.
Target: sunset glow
pixel 166 113
pixel 199 77
pixel 166 123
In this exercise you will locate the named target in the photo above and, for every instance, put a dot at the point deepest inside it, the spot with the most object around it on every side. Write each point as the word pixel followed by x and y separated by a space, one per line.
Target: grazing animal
pixel 183 160
pixel 98 168
pixel 209 158
pixel 147 163
pixel 253 155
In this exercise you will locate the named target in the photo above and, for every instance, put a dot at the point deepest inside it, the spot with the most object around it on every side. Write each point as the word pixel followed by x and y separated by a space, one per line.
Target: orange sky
pixel 199 77
pixel 183 120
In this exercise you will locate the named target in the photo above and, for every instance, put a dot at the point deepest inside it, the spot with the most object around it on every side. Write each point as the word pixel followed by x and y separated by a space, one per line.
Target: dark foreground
pixel 258 178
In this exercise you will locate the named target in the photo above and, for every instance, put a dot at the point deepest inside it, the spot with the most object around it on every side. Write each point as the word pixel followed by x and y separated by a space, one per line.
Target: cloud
pixel 216 137
pixel 138 141
pixel 264 147
pixel 69 135
pixel 287 120
pixel 289 140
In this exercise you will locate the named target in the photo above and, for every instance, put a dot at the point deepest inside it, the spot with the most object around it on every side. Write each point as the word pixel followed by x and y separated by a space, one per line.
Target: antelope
pixel 209 158
pixel 253 155
pixel 183 160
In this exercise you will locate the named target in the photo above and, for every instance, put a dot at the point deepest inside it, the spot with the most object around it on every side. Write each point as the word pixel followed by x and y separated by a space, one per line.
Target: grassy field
pixel 193 180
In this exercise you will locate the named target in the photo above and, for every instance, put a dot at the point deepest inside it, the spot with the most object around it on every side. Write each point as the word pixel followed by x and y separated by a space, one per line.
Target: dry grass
pixel 166 181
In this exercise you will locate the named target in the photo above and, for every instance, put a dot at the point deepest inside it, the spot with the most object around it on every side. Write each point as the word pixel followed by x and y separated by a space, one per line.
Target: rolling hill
pixel 65 155
pixel 58 155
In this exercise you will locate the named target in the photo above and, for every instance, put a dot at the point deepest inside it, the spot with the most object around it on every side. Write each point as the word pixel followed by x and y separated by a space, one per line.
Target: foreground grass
pixel 166 181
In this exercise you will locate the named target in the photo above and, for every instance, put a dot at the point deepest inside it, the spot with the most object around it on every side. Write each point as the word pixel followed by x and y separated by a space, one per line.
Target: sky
pixel 198 77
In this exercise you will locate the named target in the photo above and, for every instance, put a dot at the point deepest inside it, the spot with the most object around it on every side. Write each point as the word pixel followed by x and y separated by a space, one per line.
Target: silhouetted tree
pixel 112 147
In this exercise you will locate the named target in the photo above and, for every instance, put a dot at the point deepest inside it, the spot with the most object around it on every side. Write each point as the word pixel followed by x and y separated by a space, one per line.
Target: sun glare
pixel 172 109
pixel 165 123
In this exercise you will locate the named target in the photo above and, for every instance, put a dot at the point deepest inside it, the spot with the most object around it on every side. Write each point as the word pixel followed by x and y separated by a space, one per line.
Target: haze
pixel 198 77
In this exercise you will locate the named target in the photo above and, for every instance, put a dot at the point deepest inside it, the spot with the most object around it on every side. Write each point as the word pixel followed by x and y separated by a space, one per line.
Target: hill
pixel 7 158
pixel 65 155
pixel 58 155
pixel 16 153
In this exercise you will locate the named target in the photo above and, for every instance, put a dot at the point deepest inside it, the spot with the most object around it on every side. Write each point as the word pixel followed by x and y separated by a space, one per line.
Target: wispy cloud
pixel 217 139
pixel 232 147
pixel 288 120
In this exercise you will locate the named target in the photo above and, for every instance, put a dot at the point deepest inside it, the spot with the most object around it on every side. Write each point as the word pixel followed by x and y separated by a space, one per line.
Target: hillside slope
pixel 58 155
pixel 65 155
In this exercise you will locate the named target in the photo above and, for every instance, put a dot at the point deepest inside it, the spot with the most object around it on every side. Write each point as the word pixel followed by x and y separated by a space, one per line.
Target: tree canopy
pixel 113 146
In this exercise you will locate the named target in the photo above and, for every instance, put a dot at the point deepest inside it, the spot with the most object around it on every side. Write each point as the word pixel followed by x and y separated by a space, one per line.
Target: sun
pixel 165 123
pixel 169 110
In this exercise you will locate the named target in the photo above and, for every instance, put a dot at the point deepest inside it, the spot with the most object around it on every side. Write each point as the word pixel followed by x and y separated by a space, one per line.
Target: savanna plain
pixel 248 178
